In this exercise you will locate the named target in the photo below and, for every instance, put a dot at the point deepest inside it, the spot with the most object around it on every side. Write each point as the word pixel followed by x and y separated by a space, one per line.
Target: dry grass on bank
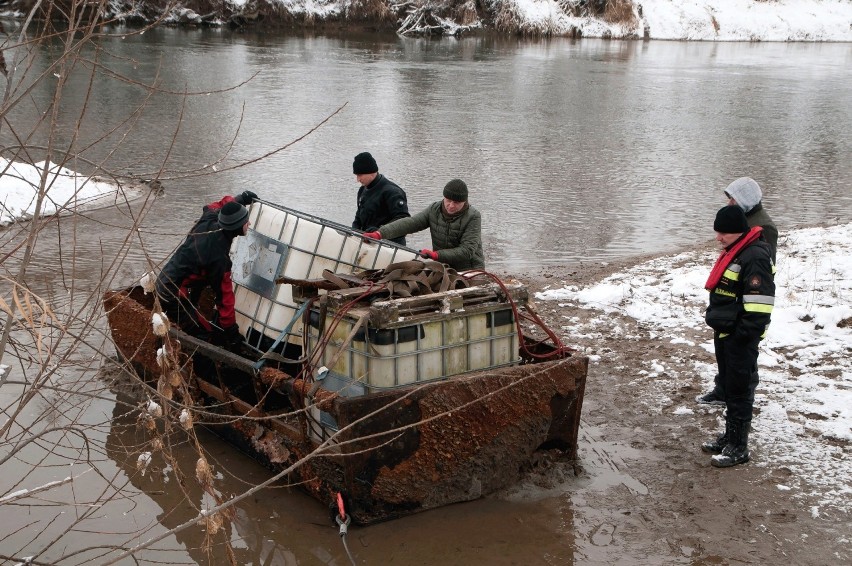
pixel 508 17
pixel 370 10
pixel 620 12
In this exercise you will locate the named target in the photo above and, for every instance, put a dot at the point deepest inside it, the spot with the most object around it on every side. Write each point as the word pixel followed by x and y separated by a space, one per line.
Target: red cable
pixel 560 349
pixel 340 508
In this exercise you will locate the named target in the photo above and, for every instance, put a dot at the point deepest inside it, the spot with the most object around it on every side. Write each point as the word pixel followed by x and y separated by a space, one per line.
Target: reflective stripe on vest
pixel 758 303
pixel 732 272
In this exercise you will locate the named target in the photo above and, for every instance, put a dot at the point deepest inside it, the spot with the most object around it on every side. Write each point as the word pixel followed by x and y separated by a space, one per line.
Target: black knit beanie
pixel 456 190
pixel 730 220
pixel 232 216
pixel 364 163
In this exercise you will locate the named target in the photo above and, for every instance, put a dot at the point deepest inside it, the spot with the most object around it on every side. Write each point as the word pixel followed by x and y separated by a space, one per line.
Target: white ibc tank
pixel 286 242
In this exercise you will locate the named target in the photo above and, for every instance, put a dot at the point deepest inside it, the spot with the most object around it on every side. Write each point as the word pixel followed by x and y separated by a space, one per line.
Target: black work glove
pixel 245 198
pixel 229 338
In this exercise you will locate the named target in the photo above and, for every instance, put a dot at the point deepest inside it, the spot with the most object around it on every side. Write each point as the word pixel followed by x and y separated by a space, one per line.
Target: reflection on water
pixel 175 498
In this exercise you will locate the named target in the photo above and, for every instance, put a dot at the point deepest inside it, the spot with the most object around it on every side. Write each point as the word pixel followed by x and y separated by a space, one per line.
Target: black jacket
pixel 741 303
pixel 379 203
pixel 202 259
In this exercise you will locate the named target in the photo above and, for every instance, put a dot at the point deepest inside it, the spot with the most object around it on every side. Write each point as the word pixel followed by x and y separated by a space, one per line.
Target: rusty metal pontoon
pixel 399 404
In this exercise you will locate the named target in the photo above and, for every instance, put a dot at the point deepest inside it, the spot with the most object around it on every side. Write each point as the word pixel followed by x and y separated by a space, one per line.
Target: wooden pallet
pixel 391 312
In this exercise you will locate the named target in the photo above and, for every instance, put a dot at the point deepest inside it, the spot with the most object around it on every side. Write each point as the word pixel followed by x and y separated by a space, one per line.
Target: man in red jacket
pixel 202 261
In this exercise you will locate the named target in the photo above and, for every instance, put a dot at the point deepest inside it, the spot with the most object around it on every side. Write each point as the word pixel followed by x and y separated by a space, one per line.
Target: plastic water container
pixel 384 358
pixel 286 242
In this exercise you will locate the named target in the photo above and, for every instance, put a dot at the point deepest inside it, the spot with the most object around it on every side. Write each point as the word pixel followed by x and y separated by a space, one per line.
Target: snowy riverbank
pixel 804 400
pixel 704 20
pixel 701 20
pixel 67 192
pixel 747 20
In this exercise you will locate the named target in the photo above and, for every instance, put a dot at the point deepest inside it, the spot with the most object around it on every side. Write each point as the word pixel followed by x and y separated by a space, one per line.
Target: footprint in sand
pixel 602 536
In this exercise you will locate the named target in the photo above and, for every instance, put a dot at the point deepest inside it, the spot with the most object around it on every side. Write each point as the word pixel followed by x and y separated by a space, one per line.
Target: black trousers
pixel 183 311
pixel 737 363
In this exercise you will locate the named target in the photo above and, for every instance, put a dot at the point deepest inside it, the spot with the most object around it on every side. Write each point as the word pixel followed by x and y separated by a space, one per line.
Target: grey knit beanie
pixel 746 192
pixel 456 190
pixel 232 216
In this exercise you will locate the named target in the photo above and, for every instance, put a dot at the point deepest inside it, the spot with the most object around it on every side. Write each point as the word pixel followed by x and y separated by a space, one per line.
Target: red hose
pixel 340 509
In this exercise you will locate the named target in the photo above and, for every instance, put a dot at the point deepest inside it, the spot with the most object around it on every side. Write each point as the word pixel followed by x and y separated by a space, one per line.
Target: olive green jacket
pixel 758 216
pixel 458 240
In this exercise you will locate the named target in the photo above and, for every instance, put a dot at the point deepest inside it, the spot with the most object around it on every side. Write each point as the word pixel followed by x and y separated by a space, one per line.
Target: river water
pixel 574 151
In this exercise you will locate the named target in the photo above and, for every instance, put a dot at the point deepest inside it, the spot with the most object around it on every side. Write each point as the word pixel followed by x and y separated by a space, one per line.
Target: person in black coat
pixel 742 296
pixel 745 193
pixel 380 200
pixel 203 260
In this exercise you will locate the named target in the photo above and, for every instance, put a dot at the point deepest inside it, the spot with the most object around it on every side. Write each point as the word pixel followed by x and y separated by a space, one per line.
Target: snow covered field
pixel 747 20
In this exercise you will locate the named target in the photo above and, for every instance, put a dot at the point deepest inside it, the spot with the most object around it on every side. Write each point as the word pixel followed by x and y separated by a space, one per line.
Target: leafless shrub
pixel 369 10
pixel 619 12
pixel 52 341
pixel 64 460
pixel 433 18
pixel 53 333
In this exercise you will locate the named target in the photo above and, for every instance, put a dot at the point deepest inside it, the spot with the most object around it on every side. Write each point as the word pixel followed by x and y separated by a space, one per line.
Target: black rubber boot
pixel 714 397
pixel 736 451
pixel 717 445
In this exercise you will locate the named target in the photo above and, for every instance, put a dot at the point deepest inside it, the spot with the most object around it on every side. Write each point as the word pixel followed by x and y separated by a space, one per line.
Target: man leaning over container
pixel 202 261
pixel 455 227
pixel 742 294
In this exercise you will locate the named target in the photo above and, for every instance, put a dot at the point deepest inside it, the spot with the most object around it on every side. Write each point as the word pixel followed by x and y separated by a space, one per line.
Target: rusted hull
pixel 459 439
pixel 397 452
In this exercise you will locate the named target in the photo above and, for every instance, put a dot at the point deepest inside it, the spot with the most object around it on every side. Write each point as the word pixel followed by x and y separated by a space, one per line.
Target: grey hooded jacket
pixel 748 195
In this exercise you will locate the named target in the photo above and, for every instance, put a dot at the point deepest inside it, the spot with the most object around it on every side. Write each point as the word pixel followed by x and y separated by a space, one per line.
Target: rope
pixel 324 336
pixel 403 279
